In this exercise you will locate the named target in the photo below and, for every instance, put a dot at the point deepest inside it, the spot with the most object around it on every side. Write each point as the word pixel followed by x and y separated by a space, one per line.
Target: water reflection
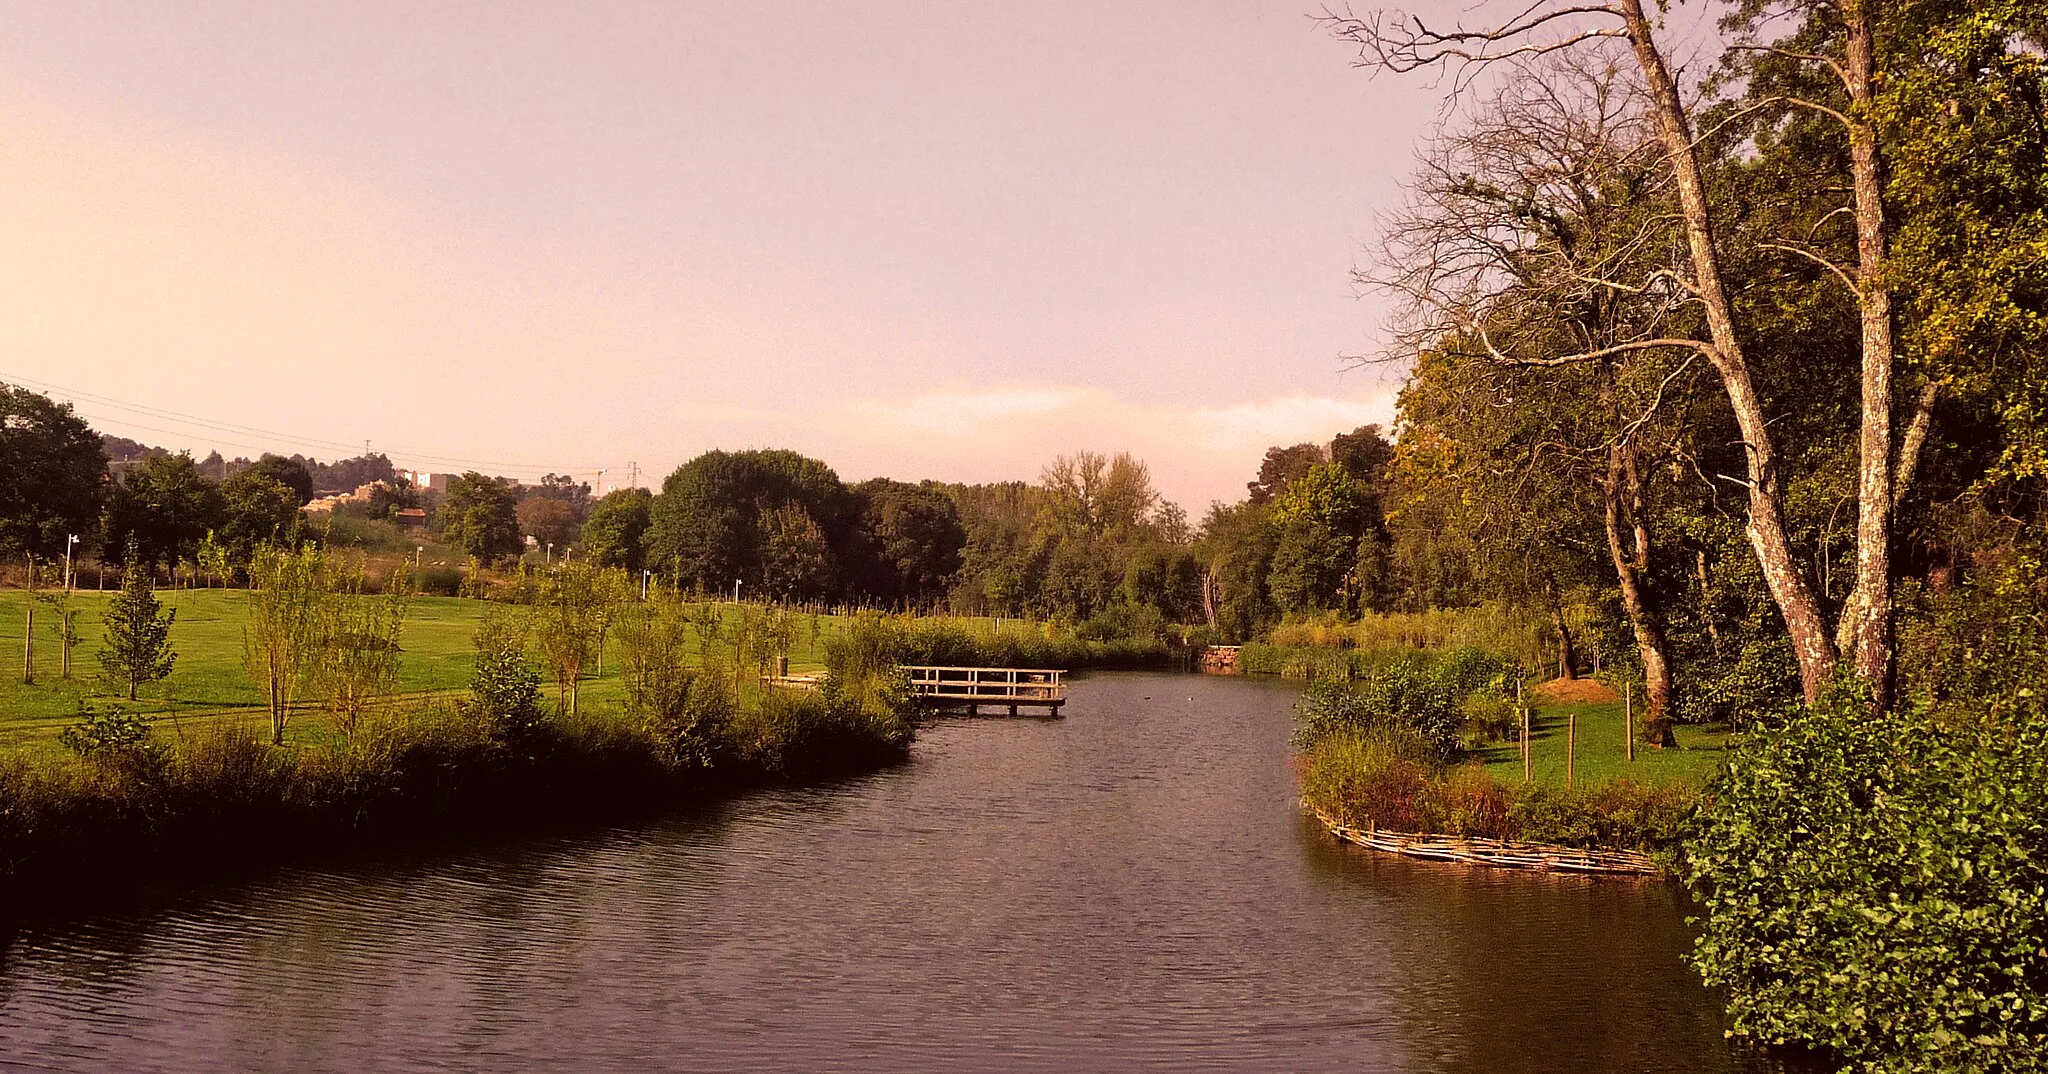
pixel 1130 887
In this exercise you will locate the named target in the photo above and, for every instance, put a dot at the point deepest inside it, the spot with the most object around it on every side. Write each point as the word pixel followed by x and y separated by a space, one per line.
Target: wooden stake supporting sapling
pixel 1628 716
pixel 1571 746
pixel 1528 749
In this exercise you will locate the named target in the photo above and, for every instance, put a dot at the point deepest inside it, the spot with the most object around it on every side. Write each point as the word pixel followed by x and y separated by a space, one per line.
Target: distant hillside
pixel 341 475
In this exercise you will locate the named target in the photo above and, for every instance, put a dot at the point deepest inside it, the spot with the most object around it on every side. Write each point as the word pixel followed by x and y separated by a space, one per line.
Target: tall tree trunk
pixel 1623 482
pixel 1567 656
pixel 1812 644
pixel 1699 563
pixel 1866 631
pixel 1209 597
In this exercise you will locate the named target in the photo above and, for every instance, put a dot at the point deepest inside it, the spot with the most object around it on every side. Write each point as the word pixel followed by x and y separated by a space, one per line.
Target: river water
pixel 1130 887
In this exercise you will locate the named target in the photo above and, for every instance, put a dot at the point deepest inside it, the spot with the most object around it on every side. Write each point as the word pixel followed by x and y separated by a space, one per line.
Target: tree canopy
pixel 52 468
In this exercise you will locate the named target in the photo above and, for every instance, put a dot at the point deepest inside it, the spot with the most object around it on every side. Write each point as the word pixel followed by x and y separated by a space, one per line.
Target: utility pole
pixel 68 543
pixel 735 591
pixel 632 475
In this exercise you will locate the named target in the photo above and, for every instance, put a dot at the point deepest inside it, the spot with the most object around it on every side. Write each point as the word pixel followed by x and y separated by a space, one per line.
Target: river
pixel 1130 887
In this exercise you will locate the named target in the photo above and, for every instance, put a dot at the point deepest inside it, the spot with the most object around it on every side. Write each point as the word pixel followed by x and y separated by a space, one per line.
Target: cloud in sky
pixel 1198 453
pixel 563 242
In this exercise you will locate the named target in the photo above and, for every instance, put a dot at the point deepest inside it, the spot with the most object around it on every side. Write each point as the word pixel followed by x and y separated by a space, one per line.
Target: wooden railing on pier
pixel 972 688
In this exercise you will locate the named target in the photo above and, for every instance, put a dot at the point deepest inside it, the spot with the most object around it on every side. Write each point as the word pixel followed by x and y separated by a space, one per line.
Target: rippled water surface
pixel 1132 886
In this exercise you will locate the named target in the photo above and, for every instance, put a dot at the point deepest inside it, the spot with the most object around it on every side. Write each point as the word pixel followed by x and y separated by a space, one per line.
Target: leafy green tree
pixel 1365 453
pixel 256 509
pixel 1235 549
pixel 572 609
pixel 52 469
pixel 1281 466
pixel 711 522
pixel 359 634
pixel 292 473
pixel 138 630
pixel 1165 578
pixel 1100 496
pixel 387 498
pixel 1000 567
pixel 916 538
pixel 481 516
pixel 616 532
pixel 685 710
pixel 164 508
pixel 1322 515
pixel 282 642
pixel 796 561
pixel 548 521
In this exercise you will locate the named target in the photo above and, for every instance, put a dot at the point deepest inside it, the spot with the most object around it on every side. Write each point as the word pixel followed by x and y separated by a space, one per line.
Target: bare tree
pixel 1518 222
pixel 1404 42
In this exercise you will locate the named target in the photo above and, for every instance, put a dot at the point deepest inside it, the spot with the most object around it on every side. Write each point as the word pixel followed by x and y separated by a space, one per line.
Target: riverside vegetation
pixel 1388 747
pixel 1728 383
pixel 694 716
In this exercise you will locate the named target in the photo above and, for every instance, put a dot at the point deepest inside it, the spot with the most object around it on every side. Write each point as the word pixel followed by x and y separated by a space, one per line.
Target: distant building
pixel 412 518
pixel 325 504
pixel 427 482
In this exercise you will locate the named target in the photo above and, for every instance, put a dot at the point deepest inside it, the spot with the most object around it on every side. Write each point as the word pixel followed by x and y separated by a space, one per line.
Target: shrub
pixel 1505 633
pixel 440 581
pixel 1877 884
pixel 935 642
pixel 504 690
pixel 1417 695
pixel 1492 717
pixel 689 719
pixel 108 730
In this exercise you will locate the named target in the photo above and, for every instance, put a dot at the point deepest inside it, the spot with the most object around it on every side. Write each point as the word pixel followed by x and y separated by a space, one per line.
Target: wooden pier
pixel 1002 688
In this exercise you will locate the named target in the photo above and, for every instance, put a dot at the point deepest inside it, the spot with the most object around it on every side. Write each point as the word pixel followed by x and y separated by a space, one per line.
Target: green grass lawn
pixel 210 681
pixel 1602 750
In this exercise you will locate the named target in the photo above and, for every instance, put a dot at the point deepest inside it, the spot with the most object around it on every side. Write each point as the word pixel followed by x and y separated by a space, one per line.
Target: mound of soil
pixel 1583 691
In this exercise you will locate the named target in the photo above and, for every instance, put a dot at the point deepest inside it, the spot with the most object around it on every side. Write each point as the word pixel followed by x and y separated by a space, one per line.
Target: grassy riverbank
pixel 95 786
pixel 1410 746
pixel 134 797
pixel 1602 744
pixel 210 680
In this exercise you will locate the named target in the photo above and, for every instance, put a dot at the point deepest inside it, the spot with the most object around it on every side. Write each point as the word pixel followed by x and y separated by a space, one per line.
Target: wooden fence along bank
pixel 1495 853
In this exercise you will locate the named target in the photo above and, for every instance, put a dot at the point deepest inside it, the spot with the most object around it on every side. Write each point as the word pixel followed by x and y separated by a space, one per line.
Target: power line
pixel 214 427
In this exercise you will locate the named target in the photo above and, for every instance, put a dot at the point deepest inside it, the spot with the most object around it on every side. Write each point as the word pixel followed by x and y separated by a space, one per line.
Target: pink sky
pixel 922 240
